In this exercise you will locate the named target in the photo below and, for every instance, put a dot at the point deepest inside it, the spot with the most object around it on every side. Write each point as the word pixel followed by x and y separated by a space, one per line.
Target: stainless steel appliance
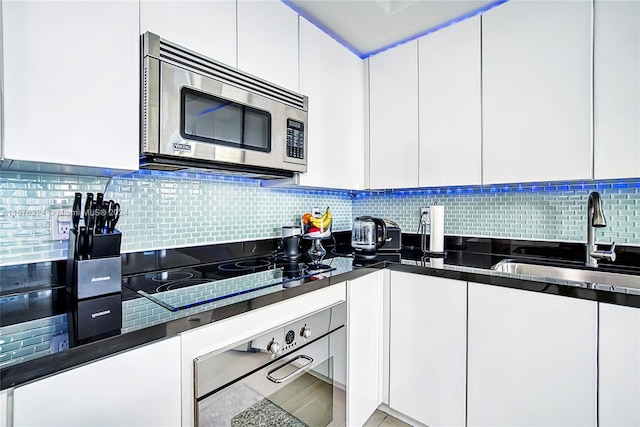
pixel 293 375
pixel 367 236
pixel 200 113
pixel 393 242
pixel 291 242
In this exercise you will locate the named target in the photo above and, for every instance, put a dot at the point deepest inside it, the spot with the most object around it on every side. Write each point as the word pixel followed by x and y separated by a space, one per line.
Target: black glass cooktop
pixel 187 287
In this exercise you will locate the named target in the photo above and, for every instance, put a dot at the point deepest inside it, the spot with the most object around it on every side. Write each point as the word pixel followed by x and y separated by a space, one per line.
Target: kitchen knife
pixel 88 244
pixel 91 217
pixel 87 208
pixel 110 215
pixel 75 213
pixel 116 216
pixel 99 214
pixel 81 242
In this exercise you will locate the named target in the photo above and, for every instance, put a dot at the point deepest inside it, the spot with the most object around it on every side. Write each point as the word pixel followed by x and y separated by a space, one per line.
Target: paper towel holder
pixel 425 221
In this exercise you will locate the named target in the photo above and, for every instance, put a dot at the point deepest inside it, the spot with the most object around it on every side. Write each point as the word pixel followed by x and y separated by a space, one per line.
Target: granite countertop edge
pixel 19 374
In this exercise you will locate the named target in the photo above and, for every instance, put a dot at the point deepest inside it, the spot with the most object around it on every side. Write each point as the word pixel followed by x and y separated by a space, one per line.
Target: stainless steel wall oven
pixel 291 376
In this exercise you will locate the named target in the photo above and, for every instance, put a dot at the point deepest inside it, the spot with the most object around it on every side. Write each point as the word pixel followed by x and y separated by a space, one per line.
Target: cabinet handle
pixel 285 378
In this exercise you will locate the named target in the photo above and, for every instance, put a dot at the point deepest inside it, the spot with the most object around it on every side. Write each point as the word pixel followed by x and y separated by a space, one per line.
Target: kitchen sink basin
pixel 567 273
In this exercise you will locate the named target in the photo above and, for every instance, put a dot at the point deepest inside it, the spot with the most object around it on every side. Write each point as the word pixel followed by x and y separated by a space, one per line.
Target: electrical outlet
pixel 60 224
pixel 59 342
pixel 425 215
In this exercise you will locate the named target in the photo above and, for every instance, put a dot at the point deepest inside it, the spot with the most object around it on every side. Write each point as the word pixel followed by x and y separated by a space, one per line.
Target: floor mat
pixel 266 414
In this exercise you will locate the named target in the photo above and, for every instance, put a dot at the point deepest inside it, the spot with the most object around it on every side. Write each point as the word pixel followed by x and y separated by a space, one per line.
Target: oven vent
pixel 177 55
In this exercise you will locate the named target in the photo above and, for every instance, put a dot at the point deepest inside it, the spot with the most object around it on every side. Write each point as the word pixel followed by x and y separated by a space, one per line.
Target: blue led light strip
pixel 364 55
pixel 506 188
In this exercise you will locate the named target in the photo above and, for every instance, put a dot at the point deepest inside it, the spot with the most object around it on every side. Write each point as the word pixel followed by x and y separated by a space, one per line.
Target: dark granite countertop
pixel 34 317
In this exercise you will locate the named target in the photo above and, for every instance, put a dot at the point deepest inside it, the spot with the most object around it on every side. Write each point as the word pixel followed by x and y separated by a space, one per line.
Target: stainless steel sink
pixel 567 273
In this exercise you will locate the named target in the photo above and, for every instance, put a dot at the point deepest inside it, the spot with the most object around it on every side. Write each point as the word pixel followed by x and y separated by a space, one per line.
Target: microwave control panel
pixel 295 139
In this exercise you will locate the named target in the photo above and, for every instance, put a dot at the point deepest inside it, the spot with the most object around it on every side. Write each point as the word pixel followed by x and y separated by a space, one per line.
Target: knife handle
pixel 88 244
pixel 75 213
pixel 81 243
pixel 87 209
pixel 97 226
pixel 91 218
pixel 110 215
pixel 116 216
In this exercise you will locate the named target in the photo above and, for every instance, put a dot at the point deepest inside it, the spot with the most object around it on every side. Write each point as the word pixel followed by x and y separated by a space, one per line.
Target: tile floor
pixel 380 419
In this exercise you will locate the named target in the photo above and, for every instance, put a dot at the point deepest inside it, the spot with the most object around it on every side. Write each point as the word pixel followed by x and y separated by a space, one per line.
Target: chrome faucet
pixel 596 219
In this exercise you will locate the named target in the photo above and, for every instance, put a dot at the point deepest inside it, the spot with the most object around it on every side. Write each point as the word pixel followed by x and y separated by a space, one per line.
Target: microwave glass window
pixel 257 133
pixel 215 120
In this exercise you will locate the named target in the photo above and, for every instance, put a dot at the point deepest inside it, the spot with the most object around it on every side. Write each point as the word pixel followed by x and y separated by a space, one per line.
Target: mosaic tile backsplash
pixel 159 210
pixel 551 211
pixel 162 210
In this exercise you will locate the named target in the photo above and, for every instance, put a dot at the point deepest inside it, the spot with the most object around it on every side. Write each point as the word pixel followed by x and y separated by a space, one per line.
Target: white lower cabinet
pixel 140 387
pixel 427 373
pixel 531 358
pixel 618 366
pixel 364 346
pixel 4 408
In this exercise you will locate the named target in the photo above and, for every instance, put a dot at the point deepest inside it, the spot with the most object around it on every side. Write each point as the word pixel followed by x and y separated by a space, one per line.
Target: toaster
pixel 394 237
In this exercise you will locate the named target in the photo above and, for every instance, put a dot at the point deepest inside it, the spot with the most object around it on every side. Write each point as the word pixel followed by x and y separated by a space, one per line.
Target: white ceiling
pixel 369 26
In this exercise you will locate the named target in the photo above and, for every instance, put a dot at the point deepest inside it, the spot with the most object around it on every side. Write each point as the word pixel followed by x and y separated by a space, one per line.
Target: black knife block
pixel 94 318
pixel 97 273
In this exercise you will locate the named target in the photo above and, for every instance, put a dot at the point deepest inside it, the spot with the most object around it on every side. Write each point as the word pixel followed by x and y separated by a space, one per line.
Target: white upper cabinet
pixel 531 358
pixel 450 106
pixel 268 41
pixel 71 82
pixel 393 118
pixel 619 366
pixel 332 77
pixel 617 89
pixel 536 76
pixel 205 27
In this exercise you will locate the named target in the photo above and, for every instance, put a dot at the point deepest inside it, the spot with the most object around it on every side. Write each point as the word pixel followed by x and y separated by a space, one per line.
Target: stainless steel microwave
pixel 199 113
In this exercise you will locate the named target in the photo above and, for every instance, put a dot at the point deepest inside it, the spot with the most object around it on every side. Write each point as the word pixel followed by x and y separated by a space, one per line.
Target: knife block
pixel 94 318
pixel 100 273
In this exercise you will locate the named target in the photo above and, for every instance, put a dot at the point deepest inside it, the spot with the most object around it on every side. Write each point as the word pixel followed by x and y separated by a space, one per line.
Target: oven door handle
pixel 287 377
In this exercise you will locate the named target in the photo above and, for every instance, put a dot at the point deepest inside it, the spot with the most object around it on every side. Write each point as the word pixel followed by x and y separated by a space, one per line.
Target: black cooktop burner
pixel 177 284
pixel 157 282
pixel 246 265
pixel 172 276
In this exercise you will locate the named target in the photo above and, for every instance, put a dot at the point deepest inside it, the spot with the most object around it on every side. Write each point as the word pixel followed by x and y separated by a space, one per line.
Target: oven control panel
pixel 295 139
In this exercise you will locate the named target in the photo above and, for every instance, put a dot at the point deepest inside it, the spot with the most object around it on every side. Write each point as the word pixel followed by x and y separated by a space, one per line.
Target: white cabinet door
pixel 268 41
pixel 140 387
pixel 531 359
pixel 617 89
pixel 364 346
pixel 205 27
pixel 393 118
pixel 450 106
pixel 4 409
pixel 536 91
pixel 71 82
pixel 428 348
pixel 619 366
pixel 332 77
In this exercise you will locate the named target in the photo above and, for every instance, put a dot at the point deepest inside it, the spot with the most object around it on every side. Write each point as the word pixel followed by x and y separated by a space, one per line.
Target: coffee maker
pixel 291 242
pixel 367 236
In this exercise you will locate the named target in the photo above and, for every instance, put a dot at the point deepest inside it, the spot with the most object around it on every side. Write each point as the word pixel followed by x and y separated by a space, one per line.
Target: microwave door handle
pixel 292 374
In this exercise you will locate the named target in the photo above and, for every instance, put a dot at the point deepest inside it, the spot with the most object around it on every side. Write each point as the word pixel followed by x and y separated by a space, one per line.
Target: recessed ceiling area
pixel 367 27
